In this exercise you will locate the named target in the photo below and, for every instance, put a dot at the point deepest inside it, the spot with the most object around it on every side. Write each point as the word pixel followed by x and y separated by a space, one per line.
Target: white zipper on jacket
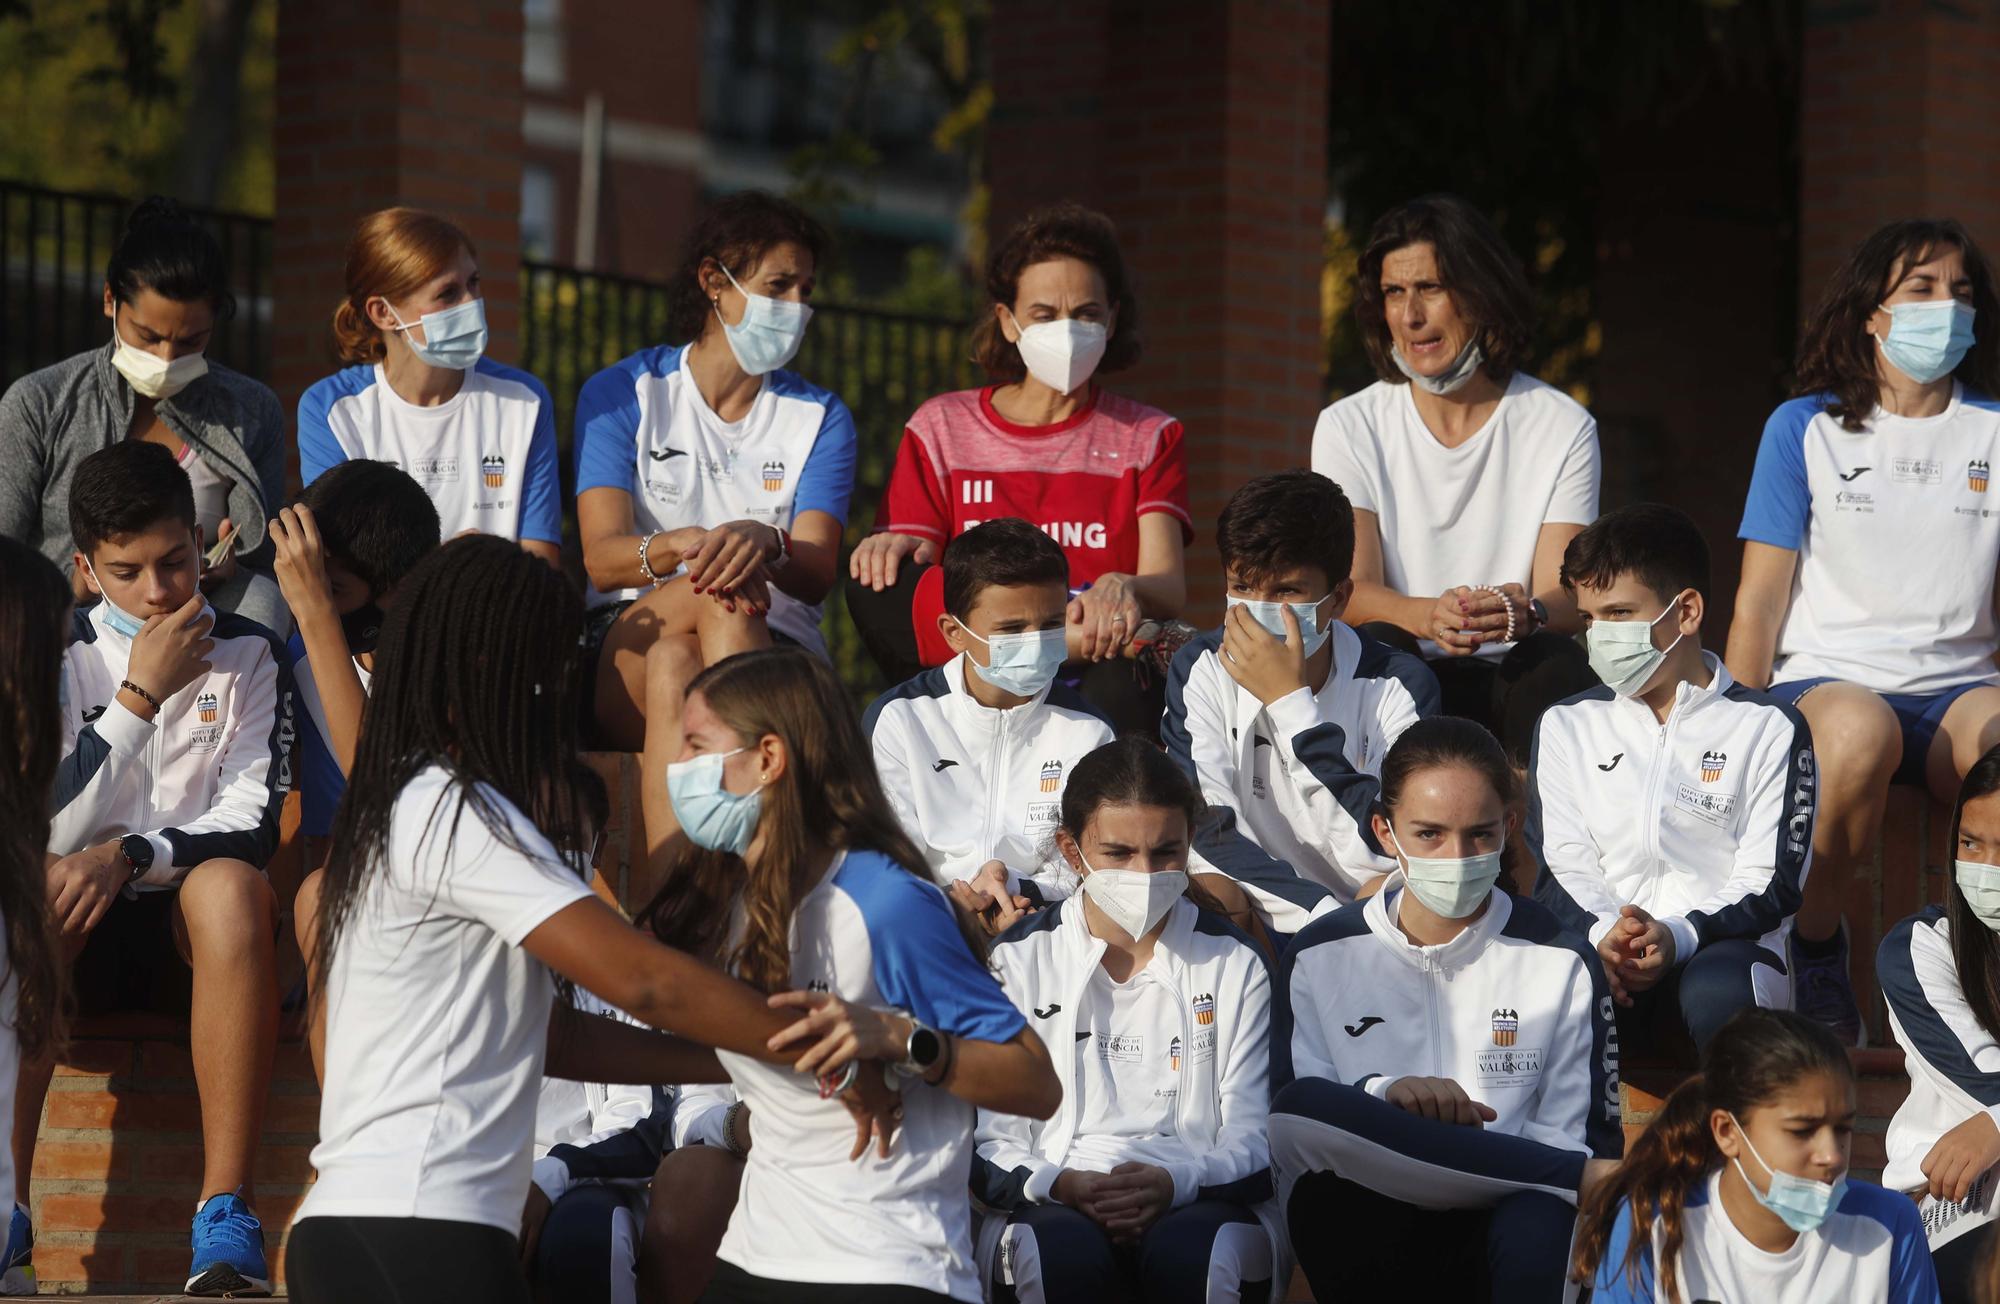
pixel 1653 781
pixel 1428 966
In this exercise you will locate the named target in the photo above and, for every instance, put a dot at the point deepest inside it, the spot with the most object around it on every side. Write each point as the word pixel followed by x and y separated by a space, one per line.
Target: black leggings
pixel 1507 694
pixel 402 1261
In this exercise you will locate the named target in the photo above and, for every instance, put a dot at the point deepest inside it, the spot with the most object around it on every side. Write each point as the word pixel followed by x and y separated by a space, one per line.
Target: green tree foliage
pixel 96 97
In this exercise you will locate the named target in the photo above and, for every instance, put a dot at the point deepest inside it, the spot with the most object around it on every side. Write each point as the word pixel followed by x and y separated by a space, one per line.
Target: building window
pixel 538 212
pixel 542 45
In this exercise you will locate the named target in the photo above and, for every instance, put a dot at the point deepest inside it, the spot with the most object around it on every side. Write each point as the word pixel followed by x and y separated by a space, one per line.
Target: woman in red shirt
pixel 1102 475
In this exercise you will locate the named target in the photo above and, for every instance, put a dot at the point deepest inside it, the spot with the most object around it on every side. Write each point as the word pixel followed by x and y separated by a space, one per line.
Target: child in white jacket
pixel 1153 1178
pixel 1446 1056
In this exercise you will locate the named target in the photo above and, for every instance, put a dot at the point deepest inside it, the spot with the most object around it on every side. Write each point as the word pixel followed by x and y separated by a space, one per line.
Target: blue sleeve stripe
pixel 628 1156
pixel 1174 733
pixel 80 767
pixel 1227 848
pixel 1322 749
pixel 999 1188
pixel 1930 1036
pixel 921 961
pixel 1754 916
pixel 1251 1188
pixel 826 481
pixel 1779 502
pixel 606 429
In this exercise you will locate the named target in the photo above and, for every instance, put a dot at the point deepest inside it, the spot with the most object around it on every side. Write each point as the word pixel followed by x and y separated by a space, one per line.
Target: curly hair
pixel 1065 230
pixel 1837 355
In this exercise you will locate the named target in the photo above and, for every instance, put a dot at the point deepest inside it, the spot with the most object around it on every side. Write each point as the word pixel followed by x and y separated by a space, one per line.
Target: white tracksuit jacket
pixel 1705 822
pixel 971 783
pixel 1514 1009
pixel 1954 1063
pixel 204 779
pixel 596 1132
pixel 1294 782
pixel 1044 963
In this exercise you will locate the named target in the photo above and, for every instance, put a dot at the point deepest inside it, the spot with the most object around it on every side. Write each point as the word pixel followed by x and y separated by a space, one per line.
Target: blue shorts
pixel 1917 714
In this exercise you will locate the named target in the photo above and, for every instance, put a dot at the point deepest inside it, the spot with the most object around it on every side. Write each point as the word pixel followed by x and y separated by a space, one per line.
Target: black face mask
pixel 362 627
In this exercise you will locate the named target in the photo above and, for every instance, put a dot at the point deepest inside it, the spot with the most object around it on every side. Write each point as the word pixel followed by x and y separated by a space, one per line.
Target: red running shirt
pixel 1084 481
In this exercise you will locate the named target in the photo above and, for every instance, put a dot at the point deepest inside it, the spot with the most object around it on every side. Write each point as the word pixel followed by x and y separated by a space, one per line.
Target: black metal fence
pixel 54 245
pixel 53 248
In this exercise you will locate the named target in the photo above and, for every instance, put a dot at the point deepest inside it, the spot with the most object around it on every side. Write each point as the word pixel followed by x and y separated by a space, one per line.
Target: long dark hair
pixel 1756 1055
pixel 1837 355
pixel 736 231
pixel 34 610
pixel 464 681
pixel 1133 771
pixel 1975 952
pixel 829 794
pixel 1486 282
pixel 1448 740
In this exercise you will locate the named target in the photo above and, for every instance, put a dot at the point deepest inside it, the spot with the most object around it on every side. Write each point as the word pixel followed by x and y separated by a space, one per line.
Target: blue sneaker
pixel 1822 991
pixel 18 1278
pixel 228 1250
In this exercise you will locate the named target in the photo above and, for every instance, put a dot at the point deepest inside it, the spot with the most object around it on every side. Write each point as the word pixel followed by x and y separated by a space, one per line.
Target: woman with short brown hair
pixel 1103 475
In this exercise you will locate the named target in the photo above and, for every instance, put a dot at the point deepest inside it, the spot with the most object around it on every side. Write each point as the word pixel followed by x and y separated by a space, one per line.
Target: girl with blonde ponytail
pixel 1739 1189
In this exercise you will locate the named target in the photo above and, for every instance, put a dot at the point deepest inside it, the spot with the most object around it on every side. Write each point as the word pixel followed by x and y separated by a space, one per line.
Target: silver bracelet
pixel 645 565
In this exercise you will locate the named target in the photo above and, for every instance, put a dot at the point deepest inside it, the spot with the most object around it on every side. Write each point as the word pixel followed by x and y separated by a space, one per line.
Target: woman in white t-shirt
pixel 1468 476
pixel 34 630
pixel 1738 1190
pixel 420 392
pixel 1870 548
pixel 1151 1179
pixel 446 905
pixel 798 876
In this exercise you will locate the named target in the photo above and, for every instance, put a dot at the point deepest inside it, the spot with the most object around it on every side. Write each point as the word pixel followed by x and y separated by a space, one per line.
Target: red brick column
pixel 391 102
pixel 1897 120
pixel 1201 130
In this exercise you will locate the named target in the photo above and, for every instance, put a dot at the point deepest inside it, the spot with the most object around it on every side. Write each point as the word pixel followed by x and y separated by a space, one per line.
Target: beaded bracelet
pixel 645 565
pixel 1508 602
pixel 141 693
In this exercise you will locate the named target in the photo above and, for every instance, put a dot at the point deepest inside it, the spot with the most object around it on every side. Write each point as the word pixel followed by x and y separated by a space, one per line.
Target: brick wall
pixel 1201 130
pixel 391 102
pixel 1899 116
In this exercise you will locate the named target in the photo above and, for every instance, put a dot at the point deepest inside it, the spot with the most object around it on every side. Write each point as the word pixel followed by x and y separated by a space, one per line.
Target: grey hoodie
pixel 50 420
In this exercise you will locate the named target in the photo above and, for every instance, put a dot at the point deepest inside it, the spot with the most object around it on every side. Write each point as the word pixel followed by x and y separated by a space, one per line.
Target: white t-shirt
pixel 1128 1062
pixel 1465 515
pixel 437 1020
pixel 1897 540
pixel 874 933
pixel 486 455
pixel 1871 1247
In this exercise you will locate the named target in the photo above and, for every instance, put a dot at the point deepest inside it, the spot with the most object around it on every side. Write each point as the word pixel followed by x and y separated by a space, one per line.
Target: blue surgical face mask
pixel 770 332
pixel 1449 888
pixel 1022 664
pixel 454 337
pixel 1451 379
pixel 1929 339
pixel 1980 885
pixel 1800 1201
pixel 1270 617
pixel 1622 652
pixel 711 815
pixel 114 615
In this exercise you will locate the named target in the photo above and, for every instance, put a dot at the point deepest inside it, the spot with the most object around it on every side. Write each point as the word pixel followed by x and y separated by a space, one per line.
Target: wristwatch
pixel 138 855
pixel 1540 611
pixel 923 1051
